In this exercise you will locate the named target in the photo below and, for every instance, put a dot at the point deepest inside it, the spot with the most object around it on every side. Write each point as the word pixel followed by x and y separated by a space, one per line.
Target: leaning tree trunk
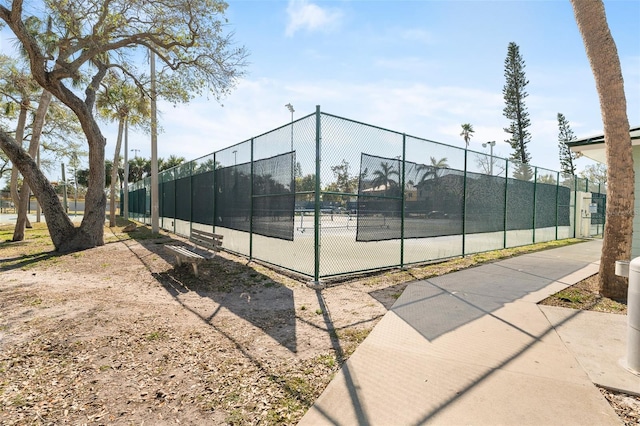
pixel 114 176
pixel 60 227
pixel 34 143
pixel 605 64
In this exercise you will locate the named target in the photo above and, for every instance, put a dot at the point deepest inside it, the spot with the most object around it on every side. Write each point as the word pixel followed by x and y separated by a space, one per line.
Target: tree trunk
pixel 605 64
pixel 114 175
pixel 92 226
pixel 22 120
pixel 91 231
pixel 60 227
pixel 18 232
pixel 23 206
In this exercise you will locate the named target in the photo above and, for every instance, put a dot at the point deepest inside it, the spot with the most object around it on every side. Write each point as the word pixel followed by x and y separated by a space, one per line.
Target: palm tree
pixel 123 103
pixel 605 64
pixel 467 133
pixel 431 171
pixel 382 176
pixel 207 166
pixel 139 168
pixel 171 162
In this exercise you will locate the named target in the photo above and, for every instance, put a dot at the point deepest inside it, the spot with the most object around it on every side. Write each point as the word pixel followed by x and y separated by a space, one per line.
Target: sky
pixel 418 67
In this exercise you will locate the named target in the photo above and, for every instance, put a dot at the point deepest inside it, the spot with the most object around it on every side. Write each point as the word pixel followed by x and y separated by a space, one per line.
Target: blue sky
pixel 419 67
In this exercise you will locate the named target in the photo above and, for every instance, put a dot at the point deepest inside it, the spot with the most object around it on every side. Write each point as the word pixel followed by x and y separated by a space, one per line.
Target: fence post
pixel 147 202
pixel 575 205
pixel 506 192
pixel 213 200
pixel 402 206
pixel 191 164
pixel 251 206
pixel 557 200
pixel 535 187
pixel 175 199
pixel 464 204
pixel 316 236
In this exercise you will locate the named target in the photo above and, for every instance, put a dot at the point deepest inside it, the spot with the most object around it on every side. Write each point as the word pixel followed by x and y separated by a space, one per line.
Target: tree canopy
pixel 596 174
pixel 72 45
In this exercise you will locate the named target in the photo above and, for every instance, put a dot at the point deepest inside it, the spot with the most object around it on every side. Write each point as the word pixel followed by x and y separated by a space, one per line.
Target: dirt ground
pixel 117 335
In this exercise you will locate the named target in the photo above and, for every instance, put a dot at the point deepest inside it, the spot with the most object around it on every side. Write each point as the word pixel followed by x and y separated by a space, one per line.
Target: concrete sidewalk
pixel 473 347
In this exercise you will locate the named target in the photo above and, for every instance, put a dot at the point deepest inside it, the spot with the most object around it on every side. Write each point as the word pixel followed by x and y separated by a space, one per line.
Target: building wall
pixel 635 245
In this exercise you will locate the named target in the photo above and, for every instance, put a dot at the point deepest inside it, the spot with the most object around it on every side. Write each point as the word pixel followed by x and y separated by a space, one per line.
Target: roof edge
pixel 600 138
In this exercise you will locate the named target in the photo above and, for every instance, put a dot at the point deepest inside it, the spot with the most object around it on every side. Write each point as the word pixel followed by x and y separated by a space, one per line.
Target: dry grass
pixel 584 295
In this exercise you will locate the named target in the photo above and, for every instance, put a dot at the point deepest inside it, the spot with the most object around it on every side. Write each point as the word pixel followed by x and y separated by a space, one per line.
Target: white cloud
pixel 425 111
pixel 304 15
pixel 417 35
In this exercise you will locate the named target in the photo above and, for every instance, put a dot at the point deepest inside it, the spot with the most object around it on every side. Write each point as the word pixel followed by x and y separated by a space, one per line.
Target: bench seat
pixel 194 255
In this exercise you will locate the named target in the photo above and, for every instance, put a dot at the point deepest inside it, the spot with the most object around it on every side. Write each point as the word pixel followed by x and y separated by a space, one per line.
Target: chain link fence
pixel 326 196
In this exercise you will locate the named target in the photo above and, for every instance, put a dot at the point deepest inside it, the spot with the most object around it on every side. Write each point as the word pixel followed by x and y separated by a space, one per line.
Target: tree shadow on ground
pixel 26 260
pixel 228 286
pixel 387 296
pixel 438 305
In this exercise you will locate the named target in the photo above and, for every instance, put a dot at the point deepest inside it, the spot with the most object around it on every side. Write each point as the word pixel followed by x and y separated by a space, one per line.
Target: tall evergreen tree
pixel 565 135
pixel 515 109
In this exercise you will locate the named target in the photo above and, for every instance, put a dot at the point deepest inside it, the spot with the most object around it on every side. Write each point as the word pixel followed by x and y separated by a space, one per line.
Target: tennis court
pixel 325 196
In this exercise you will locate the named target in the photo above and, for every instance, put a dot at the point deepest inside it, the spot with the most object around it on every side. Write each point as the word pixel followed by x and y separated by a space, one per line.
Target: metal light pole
pixel 491 145
pixel 73 163
pixel 155 202
pixel 64 195
pixel 290 108
pixel 135 152
pixel 235 157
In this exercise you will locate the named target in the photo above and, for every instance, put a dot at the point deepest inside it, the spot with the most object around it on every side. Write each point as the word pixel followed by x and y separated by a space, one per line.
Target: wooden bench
pixel 194 255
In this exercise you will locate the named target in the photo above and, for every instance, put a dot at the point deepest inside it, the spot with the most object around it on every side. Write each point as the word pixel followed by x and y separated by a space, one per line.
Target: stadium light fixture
pixel 290 108
pixel 491 145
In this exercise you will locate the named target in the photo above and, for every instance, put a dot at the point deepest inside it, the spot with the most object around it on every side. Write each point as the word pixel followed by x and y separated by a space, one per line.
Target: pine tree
pixel 515 110
pixel 565 135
